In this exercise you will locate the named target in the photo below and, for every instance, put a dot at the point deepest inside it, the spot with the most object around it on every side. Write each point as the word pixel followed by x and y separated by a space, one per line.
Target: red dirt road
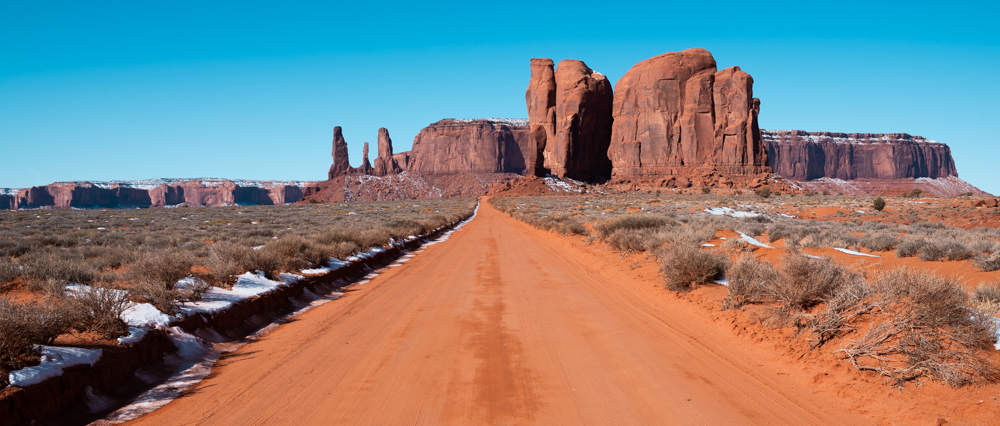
pixel 502 324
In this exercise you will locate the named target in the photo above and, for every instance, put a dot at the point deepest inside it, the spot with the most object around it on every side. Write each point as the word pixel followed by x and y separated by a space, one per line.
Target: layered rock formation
pixel 471 146
pixel 800 155
pixel 674 112
pixel 385 164
pixel 570 121
pixel 341 163
pixel 157 193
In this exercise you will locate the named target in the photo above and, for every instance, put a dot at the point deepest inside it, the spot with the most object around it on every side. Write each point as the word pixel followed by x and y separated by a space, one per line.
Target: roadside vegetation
pixel 903 324
pixel 75 271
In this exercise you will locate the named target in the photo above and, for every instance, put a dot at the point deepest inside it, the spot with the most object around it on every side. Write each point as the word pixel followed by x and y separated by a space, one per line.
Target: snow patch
pixel 54 360
pixel 751 240
pixel 855 253
pixel 135 335
pixel 247 285
pixel 145 315
pixel 726 211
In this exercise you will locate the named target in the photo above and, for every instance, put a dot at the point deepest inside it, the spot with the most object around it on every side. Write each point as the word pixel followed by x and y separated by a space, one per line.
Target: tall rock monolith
pixel 541 100
pixel 341 164
pixel 384 164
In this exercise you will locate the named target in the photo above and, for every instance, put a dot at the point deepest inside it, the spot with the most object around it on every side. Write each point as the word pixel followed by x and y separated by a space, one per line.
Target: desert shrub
pixel 905 325
pixel 343 250
pixel 809 193
pixel 746 281
pixel 910 247
pixel 988 263
pixel 630 222
pixel 153 278
pixel 763 192
pixel 879 242
pixel 798 284
pixel 9 270
pixel 227 259
pixel 792 232
pixel 100 309
pixel 48 286
pixel 950 250
pixel 563 224
pixel 41 265
pixel 634 240
pixel 17 337
pixel 25 325
pixel 685 266
pixel 878 203
pixel 164 267
pixel 987 298
pixel 987 293
pixel 297 253
pixel 402 228
pixel 750 227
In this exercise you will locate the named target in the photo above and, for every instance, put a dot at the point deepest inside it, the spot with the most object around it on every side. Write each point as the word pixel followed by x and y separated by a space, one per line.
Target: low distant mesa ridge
pixel 202 192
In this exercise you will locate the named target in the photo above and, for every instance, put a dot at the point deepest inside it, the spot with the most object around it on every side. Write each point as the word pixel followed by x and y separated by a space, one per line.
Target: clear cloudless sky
pixel 105 90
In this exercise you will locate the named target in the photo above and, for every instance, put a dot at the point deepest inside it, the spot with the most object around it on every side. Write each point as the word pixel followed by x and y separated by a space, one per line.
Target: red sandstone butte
pixel 569 115
pixel 674 112
pixel 453 146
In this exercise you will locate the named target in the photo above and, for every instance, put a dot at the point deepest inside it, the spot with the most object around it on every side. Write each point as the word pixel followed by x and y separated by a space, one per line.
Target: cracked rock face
pixel 675 112
pixel 569 114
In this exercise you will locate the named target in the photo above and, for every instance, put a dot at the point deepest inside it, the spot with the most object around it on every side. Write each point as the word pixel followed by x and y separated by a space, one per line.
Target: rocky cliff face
pixel 569 113
pixel 675 112
pixel 471 146
pixel 800 155
pixel 157 193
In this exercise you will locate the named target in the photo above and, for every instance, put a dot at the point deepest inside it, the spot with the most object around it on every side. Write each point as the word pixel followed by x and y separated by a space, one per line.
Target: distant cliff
pixel 153 193
pixel 800 155
pixel 470 146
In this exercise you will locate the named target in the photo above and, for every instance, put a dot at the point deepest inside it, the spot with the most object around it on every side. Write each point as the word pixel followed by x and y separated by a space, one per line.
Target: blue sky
pixel 131 90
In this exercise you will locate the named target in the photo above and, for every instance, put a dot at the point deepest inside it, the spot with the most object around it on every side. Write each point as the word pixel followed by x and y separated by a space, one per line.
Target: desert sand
pixel 502 324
